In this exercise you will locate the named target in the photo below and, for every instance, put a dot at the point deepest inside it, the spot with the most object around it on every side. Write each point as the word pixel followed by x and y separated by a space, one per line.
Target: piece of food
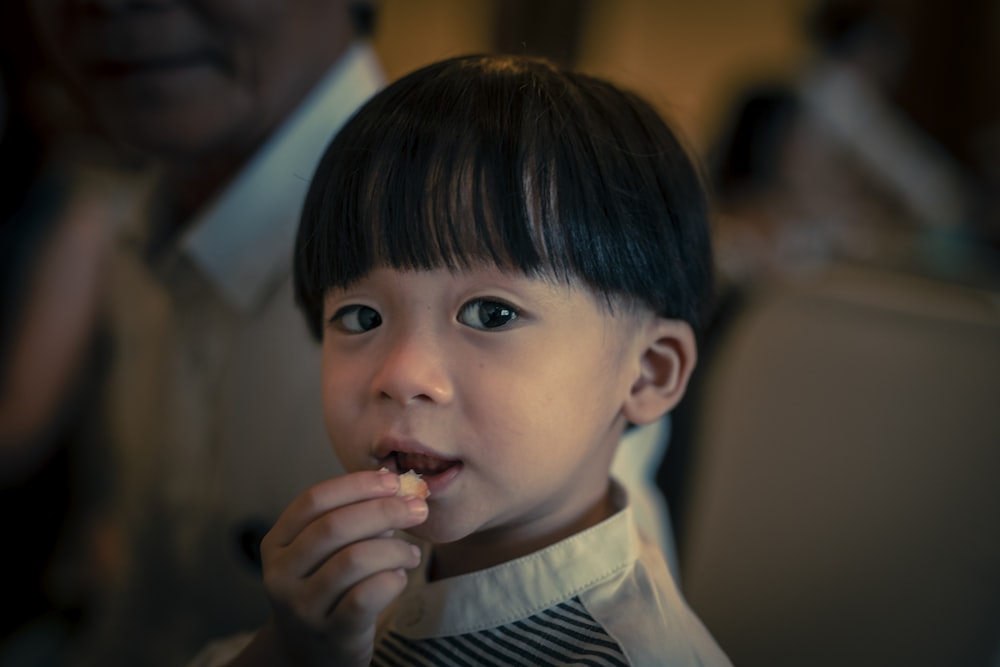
pixel 410 484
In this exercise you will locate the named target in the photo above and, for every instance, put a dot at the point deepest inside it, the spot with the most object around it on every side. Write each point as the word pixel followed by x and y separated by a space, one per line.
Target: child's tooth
pixel 420 463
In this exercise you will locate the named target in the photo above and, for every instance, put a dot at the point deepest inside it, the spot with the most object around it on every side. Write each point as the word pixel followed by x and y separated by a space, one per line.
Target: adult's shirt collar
pixel 243 240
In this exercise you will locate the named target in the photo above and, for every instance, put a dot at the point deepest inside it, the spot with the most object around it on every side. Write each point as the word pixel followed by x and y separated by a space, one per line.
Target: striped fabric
pixel 563 635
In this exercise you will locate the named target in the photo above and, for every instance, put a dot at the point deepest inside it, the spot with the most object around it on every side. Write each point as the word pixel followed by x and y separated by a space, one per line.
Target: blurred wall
pixel 411 34
pixel 686 57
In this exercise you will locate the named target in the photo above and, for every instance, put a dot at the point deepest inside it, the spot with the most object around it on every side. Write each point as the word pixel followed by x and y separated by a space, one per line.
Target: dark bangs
pixel 510 162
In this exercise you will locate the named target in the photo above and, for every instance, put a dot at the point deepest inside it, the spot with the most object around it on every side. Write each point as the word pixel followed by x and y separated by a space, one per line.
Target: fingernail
pixel 417 507
pixel 415 550
pixel 388 481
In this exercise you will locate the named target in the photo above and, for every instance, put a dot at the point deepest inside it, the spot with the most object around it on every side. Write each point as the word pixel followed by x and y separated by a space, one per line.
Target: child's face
pixel 504 391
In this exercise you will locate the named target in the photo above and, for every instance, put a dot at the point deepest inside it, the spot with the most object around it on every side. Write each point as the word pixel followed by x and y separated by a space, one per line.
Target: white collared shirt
pixel 604 595
pixel 243 240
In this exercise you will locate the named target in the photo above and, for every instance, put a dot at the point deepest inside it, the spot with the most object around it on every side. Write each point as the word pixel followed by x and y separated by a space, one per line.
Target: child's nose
pixel 414 368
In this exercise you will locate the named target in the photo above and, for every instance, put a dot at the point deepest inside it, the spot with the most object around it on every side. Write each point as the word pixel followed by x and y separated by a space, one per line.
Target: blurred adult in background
pixel 213 429
pixel 822 168
pixel 830 166
pixel 849 98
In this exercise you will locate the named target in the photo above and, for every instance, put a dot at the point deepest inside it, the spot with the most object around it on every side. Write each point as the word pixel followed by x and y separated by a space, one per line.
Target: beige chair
pixel 844 503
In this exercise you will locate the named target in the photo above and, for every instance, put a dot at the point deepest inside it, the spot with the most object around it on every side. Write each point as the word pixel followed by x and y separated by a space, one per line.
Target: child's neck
pixel 491 548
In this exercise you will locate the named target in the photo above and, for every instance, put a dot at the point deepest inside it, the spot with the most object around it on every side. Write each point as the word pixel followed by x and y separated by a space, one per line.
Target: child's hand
pixel 331 566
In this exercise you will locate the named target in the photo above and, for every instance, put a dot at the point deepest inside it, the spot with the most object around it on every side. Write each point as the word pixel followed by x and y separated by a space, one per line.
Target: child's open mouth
pixel 436 472
pixel 423 465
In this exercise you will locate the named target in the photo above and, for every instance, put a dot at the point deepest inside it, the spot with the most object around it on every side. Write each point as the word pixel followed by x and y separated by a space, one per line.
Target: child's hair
pixel 513 162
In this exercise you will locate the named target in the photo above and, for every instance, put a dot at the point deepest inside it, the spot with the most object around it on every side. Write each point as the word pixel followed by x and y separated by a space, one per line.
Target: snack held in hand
pixel 410 484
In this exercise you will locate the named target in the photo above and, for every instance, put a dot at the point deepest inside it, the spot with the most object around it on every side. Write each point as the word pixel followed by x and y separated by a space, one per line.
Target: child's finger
pixel 327 495
pixel 359 608
pixel 335 530
pixel 333 581
pixel 346 635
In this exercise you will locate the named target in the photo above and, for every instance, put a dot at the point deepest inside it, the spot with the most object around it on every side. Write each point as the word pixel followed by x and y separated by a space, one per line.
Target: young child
pixel 506 264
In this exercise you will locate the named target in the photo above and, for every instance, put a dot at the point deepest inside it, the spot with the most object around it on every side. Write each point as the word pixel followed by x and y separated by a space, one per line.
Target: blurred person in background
pixel 762 225
pixel 849 99
pixel 211 405
pixel 820 168
pixel 830 166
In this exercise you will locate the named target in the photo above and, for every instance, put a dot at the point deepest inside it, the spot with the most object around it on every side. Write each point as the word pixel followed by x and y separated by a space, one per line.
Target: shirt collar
pixel 522 587
pixel 243 241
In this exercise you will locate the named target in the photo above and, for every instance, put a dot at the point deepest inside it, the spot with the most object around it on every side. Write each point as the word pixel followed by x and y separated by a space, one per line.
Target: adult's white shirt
pixel 215 408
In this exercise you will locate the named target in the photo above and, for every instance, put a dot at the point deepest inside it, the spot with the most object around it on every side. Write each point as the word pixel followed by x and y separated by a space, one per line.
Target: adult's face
pixel 187 78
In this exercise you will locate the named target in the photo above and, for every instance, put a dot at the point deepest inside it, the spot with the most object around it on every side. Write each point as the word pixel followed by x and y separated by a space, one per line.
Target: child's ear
pixel 668 355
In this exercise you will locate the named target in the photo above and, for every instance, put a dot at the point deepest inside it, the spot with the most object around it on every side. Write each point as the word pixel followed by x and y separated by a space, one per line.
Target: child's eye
pixel 486 314
pixel 356 319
